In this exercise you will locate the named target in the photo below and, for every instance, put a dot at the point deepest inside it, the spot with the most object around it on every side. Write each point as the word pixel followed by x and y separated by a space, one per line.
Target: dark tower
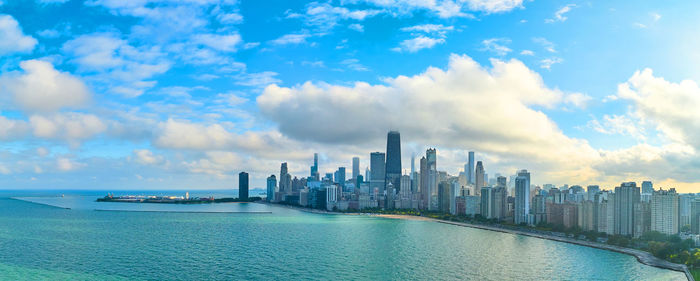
pixel 393 160
pixel 243 185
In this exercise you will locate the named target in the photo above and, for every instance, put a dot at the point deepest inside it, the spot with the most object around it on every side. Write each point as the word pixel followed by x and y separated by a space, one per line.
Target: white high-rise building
pixel 664 211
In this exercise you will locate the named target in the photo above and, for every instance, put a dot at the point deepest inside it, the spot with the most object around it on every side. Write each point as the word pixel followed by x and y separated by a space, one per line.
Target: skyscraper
pixel 271 186
pixel 470 169
pixel 314 168
pixel 285 180
pixel 522 198
pixel 393 159
pixel 444 194
pixel 647 191
pixel 591 191
pixel 340 176
pixel 355 167
pixel 479 177
pixel 664 211
pixel 432 180
pixel 243 185
pixel 626 196
pixel 424 189
pixel 376 166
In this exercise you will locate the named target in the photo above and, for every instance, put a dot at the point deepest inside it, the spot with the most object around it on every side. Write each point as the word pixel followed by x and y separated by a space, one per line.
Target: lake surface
pixel 44 242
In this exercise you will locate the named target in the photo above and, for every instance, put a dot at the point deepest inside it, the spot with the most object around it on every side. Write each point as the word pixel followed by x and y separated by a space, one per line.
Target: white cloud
pixel 447 8
pixel 146 157
pixel 71 127
pixel 546 44
pixel 291 39
pixel 12 40
pixel 578 100
pixel 354 64
pixel 527 53
pixel 226 43
pixel 41 88
pixel 487 109
pixel 357 27
pixel 497 46
pixel 418 43
pixel 618 124
pixel 12 129
pixel 121 66
pixel 671 107
pixel 548 62
pixel 230 18
pixel 259 79
pixel 560 15
pixel 67 165
pixel 429 28
pixel 323 16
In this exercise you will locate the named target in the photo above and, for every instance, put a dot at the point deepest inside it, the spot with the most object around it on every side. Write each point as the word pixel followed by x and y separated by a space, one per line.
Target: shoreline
pixel 642 257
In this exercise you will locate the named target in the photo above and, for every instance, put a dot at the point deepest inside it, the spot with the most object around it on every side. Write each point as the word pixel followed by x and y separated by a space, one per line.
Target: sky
pixel 161 94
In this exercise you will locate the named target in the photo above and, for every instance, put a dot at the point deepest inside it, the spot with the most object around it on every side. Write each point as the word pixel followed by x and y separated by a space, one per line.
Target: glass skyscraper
pixel 393 159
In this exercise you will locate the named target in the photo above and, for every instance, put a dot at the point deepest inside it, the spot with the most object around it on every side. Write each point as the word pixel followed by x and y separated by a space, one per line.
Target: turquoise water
pixel 44 242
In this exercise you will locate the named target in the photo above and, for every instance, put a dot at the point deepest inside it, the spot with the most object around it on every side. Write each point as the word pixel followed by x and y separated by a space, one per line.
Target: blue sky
pixel 186 94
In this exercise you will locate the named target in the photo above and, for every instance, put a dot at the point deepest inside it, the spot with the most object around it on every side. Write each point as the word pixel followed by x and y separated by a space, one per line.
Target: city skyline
pixel 142 95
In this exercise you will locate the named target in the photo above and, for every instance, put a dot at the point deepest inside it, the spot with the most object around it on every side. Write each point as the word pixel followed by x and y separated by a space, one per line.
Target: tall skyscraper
pixel 664 211
pixel 432 180
pixel 695 216
pixel 684 202
pixel 340 176
pixel 626 196
pixel 424 189
pixel 243 185
pixel 377 175
pixel 470 169
pixel 501 181
pixel 355 167
pixel 285 180
pixel 444 194
pixel 314 168
pixel 271 186
pixel 647 191
pixel 522 198
pixel 479 177
pixel 393 159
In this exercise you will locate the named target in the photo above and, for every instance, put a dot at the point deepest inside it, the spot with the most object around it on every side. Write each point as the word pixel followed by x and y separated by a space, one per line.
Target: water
pixel 43 242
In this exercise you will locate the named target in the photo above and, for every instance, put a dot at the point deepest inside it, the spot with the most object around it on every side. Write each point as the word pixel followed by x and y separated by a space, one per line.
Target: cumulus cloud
pixel 71 127
pixel 13 39
pixel 67 165
pixel 488 109
pixel 41 88
pixel 323 17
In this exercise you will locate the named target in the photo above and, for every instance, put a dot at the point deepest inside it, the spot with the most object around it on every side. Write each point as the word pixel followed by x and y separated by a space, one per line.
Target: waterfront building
pixel 470 168
pixel 522 197
pixel 486 202
pixel 355 167
pixel 479 177
pixel 377 165
pixel 285 184
pixel 500 202
pixel 664 211
pixel 423 186
pixel 304 197
pixel 539 208
pixel 586 216
pixel 393 159
pixel 444 194
pixel 626 196
pixel 569 214
pixel 684 202
pixel 642 218
pixel 243 185
pixel 695 216
pixel 271 188
pixel 472 205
